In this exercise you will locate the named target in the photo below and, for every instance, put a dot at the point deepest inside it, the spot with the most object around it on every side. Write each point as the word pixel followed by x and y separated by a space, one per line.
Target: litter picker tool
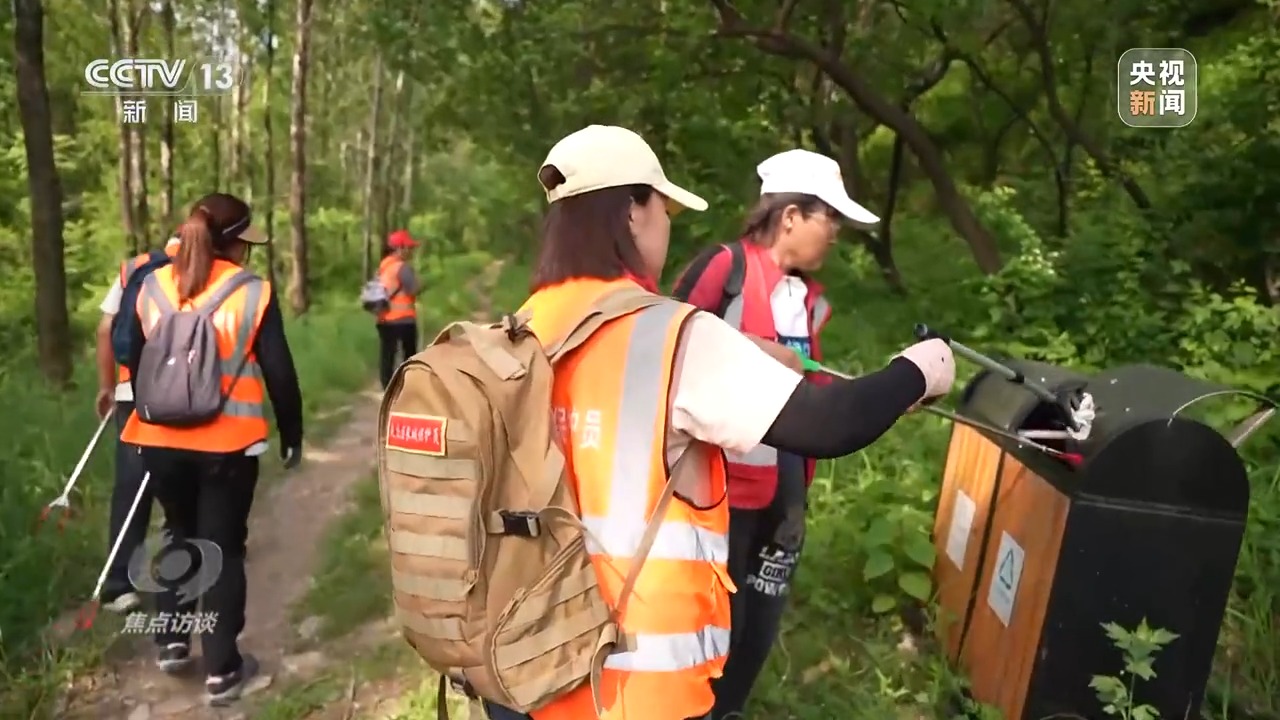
pixel 89 612
pixel 1072 459
pixel 63 501
pixel 1078 410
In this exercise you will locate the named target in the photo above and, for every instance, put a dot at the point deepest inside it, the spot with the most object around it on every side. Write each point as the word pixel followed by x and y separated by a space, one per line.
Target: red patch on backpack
pixel 422 434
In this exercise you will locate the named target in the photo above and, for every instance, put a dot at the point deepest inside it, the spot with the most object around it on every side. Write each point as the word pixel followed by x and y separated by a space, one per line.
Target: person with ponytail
pixel 204 475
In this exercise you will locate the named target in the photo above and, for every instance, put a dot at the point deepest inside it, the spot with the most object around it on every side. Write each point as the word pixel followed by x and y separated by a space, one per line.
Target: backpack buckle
pixel 463 686
pixel 520 523
pixel 515 325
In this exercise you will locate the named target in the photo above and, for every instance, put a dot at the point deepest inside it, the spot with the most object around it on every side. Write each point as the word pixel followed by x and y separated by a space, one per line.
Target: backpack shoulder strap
pixel 151 290
pixel 733 282
pixel 682 474
pixel 737 276
pixel 688 280
pixel 241 278
pixel 610 306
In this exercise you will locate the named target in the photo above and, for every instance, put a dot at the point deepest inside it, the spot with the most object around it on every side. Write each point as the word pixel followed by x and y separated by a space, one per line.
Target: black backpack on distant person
pixel 688 279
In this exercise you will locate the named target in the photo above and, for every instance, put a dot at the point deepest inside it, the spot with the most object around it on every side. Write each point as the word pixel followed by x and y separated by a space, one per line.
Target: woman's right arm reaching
pixel 731 393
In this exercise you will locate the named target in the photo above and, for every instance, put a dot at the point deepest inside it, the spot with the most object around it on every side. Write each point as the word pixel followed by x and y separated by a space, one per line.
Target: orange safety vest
pixel 401 304
pixel 126 269
pixel 610 401
pixel 753 475
pixel 242 422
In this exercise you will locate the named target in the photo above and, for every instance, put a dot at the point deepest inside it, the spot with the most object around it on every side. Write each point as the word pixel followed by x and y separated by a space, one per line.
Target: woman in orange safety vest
pixel 398 323
pixel 204 475
pixel 653 385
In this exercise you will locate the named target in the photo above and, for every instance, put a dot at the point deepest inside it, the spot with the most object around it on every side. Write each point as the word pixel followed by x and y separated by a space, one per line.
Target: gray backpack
pixel 179 379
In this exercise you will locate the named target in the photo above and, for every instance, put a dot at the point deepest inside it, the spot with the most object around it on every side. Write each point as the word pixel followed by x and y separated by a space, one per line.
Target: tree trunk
pixel 137 139
pixel 269 162
pixel 53 329
pixel 406 182
pixel 215 138
pixel 882 248
pixel 124 144
pixel 371 166
pixel 238 167
pixel 166 139
pixel 298 140
pixel 388 182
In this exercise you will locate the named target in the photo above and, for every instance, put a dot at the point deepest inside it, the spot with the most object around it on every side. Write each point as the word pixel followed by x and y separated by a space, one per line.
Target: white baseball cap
pixel 604 156
pixel 808 173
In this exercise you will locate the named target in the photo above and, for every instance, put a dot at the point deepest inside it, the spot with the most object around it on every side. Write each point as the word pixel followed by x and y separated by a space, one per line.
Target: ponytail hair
pixel 194 262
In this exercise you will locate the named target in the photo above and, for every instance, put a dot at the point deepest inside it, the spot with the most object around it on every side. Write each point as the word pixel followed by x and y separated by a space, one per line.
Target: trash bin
pixel 1036 554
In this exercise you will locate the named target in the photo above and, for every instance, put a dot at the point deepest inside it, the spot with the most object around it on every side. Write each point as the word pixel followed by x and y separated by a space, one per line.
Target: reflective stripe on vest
pixel 243 421
pixel 401 305
pixel 677 620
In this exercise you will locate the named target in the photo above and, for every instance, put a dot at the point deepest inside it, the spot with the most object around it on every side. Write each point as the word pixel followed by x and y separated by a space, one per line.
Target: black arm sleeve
pixel 827 421
pixel 278 374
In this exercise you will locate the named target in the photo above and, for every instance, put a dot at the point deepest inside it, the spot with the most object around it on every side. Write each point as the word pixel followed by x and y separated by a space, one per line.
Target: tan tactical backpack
pixel 492 581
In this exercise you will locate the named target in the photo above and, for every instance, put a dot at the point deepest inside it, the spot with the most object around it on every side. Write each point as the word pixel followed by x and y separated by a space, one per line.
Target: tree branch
pixel 784 15
pixel 1040 39
pixel 865 95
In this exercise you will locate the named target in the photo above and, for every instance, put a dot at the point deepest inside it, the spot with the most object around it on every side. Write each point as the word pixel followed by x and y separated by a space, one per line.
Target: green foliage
pixel 1138 648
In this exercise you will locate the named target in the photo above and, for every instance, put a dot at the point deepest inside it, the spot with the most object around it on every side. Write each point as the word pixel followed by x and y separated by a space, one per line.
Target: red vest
pixel 753 476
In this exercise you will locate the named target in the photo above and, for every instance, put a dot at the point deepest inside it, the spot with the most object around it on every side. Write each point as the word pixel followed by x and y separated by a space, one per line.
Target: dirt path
pixel 285 531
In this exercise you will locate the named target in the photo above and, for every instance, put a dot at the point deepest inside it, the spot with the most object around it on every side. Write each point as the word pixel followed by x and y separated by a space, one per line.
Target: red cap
pixel 401 239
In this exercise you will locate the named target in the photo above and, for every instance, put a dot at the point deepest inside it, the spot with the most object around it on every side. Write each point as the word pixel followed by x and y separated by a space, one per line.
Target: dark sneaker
pixel 225 689
pixel 174 657
pixel 122 604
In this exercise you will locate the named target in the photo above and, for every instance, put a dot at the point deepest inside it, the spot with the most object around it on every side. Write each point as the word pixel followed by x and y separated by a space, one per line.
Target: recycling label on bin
pixel 1005 575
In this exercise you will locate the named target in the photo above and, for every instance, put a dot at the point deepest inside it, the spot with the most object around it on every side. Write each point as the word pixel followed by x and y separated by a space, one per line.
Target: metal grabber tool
pixel 63 501
pixel 1073 459
pixel 88 613
pixel 1077 409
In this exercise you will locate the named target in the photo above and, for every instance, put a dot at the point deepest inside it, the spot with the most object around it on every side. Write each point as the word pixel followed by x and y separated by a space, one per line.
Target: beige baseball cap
pixel 604 156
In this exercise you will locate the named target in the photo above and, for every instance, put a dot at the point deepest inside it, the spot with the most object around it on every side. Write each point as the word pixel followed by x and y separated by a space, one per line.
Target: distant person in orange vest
pixel 114 391
pixel 649 387
pixel 398 323
pixel 209 350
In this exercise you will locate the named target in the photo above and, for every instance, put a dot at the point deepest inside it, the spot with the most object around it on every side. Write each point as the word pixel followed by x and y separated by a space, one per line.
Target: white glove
pixel 934 359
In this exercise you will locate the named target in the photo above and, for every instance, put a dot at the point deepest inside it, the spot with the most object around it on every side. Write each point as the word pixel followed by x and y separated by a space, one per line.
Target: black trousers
pixel 402 336
pixel 206 499
pixel 764 550
pixel 129 472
